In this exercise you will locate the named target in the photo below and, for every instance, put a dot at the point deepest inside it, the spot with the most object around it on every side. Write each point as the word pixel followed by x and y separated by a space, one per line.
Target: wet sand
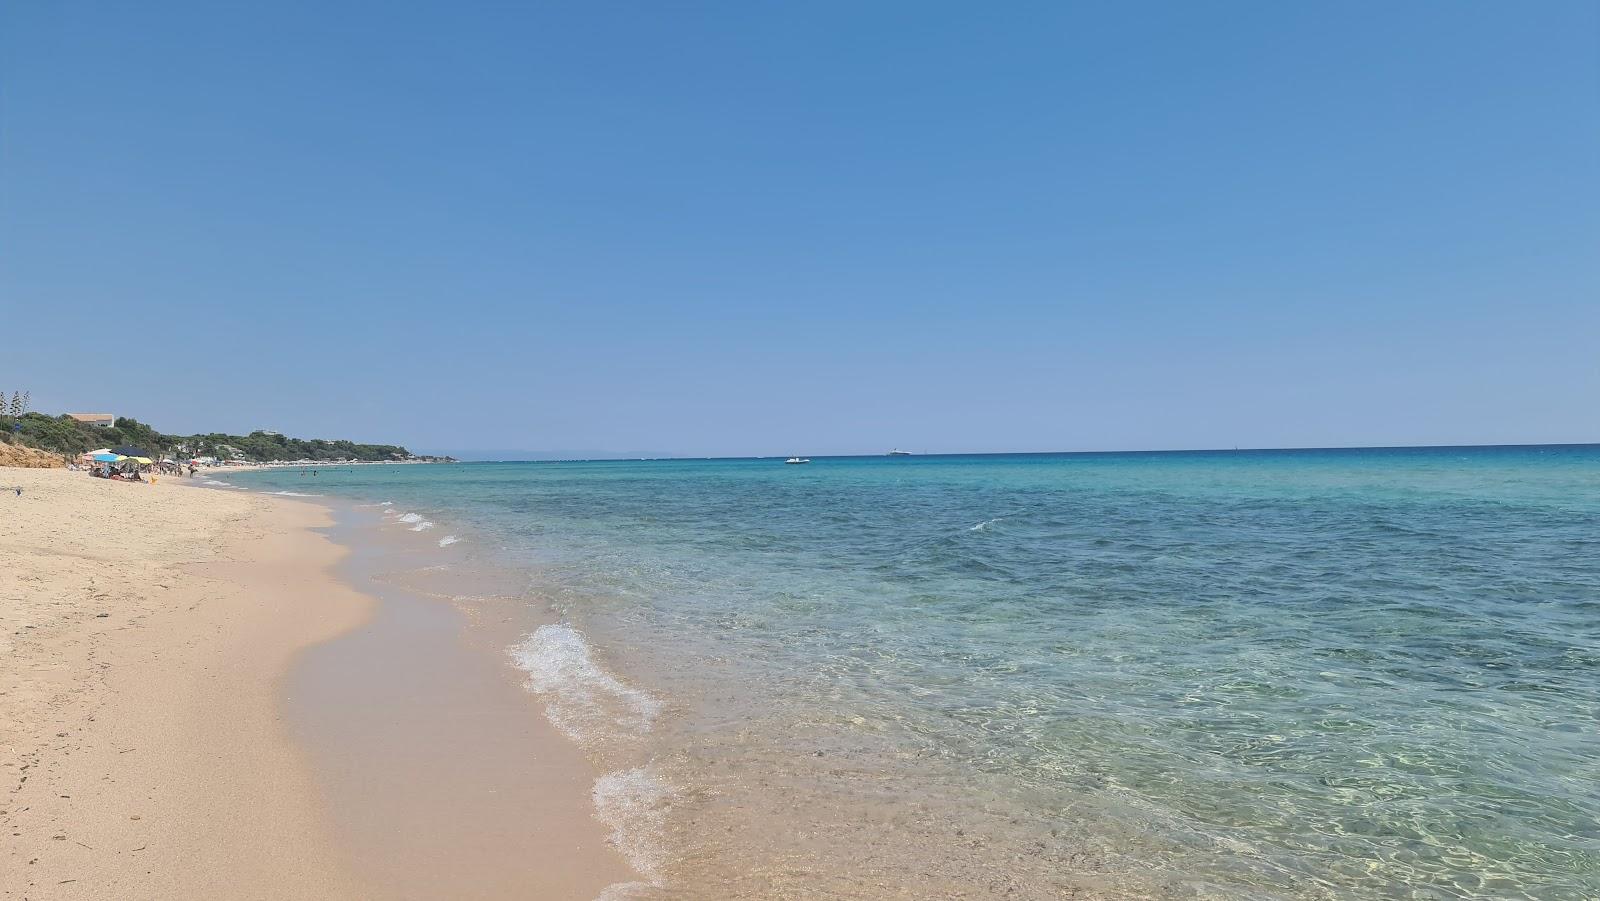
pixel 444 777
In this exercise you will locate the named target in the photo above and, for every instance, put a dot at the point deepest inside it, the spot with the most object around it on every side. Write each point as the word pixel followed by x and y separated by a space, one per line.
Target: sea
pixel 1352 673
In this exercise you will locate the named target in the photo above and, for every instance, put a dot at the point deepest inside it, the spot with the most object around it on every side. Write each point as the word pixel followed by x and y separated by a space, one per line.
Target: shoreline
pixel 698 809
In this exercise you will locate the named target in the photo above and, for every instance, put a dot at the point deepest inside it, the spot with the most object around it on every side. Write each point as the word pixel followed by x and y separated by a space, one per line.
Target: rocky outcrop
pixel 27 457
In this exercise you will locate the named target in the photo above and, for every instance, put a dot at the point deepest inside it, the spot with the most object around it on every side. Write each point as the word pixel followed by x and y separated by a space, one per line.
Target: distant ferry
pixel 897 452
pixel 797 460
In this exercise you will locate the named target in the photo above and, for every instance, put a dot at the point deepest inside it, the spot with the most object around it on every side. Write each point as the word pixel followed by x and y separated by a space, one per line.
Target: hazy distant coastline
pixel 493 455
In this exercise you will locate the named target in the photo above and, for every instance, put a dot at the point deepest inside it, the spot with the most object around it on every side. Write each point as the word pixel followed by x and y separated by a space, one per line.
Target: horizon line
pixel 1195 450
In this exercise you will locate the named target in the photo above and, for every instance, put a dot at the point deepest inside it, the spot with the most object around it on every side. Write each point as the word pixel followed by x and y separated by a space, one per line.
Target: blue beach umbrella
pixel 107 458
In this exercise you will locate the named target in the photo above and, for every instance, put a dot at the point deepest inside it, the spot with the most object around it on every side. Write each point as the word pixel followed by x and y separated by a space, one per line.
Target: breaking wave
pixel 584 701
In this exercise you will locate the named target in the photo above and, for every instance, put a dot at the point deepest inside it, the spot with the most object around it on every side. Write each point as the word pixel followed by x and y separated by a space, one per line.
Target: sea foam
pixel 411 517
pixel 448 540
pixel 626 891
pixel 584 701
pixel 633 804
pixel 422 526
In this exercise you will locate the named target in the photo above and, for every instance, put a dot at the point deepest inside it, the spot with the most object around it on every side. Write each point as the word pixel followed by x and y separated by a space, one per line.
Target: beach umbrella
pixel 130 451
pixel 142 461
pixel 107 457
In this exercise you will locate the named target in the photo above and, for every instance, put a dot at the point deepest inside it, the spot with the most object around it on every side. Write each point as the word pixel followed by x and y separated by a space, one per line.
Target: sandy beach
pixel 145 752
pixel 140 740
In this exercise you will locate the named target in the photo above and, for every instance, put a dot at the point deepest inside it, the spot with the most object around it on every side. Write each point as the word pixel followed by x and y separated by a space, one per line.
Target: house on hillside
pixel 98 420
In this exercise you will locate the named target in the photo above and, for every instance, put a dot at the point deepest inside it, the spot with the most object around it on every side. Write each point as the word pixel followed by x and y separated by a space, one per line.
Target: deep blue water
pixel 1344 673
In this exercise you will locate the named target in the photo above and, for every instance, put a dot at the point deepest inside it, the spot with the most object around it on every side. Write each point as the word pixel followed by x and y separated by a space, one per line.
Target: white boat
pixel 798 460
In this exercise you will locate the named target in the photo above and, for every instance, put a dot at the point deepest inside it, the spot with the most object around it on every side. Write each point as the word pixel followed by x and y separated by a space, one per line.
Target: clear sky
pixel 761 227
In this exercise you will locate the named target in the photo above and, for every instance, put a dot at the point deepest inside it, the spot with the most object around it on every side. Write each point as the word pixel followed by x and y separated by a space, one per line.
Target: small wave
pixel 422 526
pixel 380 504
pixel 984 526
pixel 634 804
pixel 448 540
pixel 215 482
pixel 411 517
pixel 295 494
pixel 581 699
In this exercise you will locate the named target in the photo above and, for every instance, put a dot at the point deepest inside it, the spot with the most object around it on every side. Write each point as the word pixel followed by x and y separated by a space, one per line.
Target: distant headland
pixel 72 434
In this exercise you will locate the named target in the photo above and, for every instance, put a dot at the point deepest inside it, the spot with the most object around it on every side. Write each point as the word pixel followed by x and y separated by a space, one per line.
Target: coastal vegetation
pixel 68 437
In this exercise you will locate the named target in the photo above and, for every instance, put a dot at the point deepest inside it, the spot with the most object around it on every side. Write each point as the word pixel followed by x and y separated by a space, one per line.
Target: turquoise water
pixel 1364 673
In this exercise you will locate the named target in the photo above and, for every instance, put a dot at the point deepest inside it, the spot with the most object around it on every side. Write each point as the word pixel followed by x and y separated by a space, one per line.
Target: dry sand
pixel 162 735
pixel 146 629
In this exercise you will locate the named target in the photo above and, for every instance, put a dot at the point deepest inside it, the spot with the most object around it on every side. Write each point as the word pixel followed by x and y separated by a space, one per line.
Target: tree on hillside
pixel 16 403
pixel 60 435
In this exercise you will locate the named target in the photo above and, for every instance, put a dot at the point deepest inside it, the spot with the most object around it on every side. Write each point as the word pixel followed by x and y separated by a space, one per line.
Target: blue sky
pixel 808 228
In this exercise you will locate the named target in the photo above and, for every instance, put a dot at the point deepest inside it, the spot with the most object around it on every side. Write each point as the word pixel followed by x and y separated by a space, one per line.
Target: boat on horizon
pixel 794 460
pixel 897 452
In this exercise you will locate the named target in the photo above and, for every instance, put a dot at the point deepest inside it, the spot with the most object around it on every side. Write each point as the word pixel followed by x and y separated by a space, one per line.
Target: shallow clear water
pixel 1368 673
